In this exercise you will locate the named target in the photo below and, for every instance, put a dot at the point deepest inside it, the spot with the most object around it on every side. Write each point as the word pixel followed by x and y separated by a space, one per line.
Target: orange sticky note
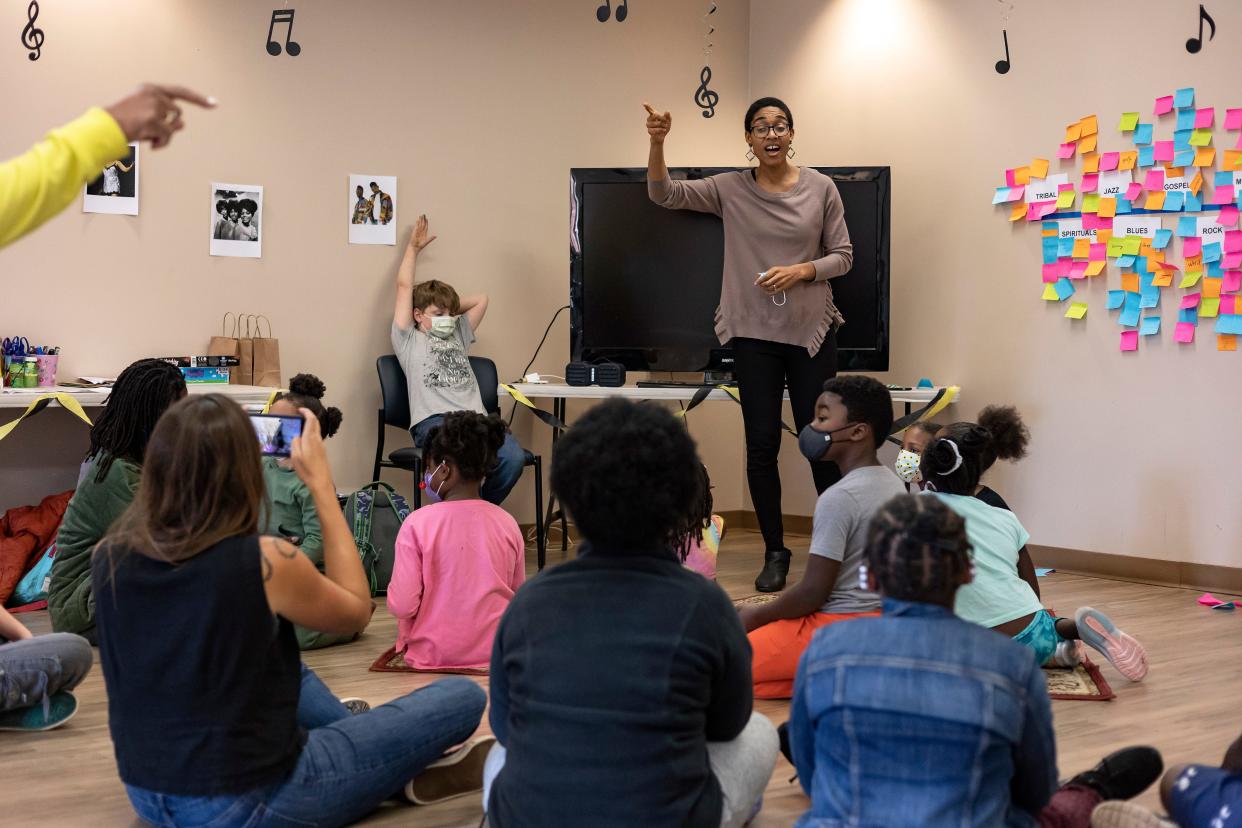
pixel 1089 125
pixel 1211 288
pixel 1163 278
pixel 1022 175
pixel 1127 160
pixel 1174 172
pixel 1205 156
pixel 1086 144
pixel 1194 262
pixel 1196 183
pixel 1102 236
pixel 1108 207
pixel 1082 248
pixel 1145 249
pixel 1019 212
pixel 1233 160
pixel 1073 132
pixel 1039 168
pixel 1095 268
pixel 1226 342
pixel 1090 162
pixel 1130 282
pixel 1155 201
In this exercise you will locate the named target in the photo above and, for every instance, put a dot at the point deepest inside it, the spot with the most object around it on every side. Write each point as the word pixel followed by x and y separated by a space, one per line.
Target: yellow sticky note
pixel 1205 156
pixel 1226 342
pixel 1089 125
pixel 1039 168
pixel 1127 160
pixel 1073 132
pixel 1086 144
pixel 1082 248
pixel 1155 201
pixel 1095 268
pixel 1130 282
pixel 1201 137
pixel 1108 207
pixel 1129 120
pixel 1065 200
pixel 1209 308
pixel 1022 176
pixel 1211 288
pixel 1090 162
pixel 1163 278
pixel 1077 310
pixel 1018 213
pixel 1132 245
pixel 1090 202
pixel 1190 278
pixel 1233 160
pixel 1050 293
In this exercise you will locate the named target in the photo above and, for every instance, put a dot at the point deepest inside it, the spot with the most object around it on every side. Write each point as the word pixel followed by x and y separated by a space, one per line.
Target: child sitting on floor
pixel 917 718
pixel 1010 437
pixel 293 516
pixel 459 559
pixel 698 543
pixel 912 444
pixel 852 420
pixel 1005 592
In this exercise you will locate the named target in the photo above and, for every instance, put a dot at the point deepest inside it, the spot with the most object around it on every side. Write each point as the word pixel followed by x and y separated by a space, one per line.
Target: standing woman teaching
pixel 784 238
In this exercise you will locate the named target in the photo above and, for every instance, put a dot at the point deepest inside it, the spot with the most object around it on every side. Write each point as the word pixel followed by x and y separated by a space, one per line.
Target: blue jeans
pixel 510 461
pixel 349 765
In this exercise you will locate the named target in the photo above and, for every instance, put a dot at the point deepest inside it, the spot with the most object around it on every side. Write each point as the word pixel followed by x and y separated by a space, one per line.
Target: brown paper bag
pixel 229 343
pixel 266 356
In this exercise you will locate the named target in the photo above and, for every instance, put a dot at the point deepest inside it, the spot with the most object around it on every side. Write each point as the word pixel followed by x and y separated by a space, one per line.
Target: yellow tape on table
pixel 523 400
pixel 41 402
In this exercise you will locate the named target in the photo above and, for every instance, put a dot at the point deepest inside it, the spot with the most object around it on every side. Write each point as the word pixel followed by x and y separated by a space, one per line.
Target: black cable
pixel 535 356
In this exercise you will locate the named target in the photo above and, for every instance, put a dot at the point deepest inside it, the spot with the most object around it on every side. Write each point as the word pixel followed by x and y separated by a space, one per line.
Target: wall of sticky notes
pixel 1123 199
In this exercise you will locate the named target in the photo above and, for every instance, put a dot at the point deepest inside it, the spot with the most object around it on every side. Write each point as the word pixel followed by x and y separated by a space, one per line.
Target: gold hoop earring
pixel 750 155
pixel 789 153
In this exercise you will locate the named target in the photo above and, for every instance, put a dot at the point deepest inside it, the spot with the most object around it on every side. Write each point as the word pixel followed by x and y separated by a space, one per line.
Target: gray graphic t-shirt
pixel 437 371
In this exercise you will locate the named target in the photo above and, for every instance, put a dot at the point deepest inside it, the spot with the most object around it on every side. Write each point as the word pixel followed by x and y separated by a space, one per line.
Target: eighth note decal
pixel 291 46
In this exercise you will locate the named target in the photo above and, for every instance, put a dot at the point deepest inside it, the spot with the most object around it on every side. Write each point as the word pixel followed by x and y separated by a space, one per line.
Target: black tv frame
pixel 873 359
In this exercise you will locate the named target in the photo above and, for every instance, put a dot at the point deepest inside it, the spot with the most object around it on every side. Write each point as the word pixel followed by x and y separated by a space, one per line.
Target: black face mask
pixel 814 444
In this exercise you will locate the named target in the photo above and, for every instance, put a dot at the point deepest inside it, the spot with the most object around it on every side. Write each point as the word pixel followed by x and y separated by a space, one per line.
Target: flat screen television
pixel 645 281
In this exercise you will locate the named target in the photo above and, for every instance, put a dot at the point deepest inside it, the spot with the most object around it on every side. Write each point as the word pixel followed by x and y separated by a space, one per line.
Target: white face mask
pixel 907 466
pixel 443 327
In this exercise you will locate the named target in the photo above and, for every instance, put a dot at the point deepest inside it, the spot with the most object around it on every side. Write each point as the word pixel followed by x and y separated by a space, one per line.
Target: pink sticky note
pixel 1222 195
pixel 1164 105
pixel 1129 340
pixel 1078 270
pixel 1133 191
pixel 1032 211
pixel 1192 246
pixel 1190 300
pixel 1109 161
pixel 1163 150
pixel 1090 182
pixel 1232 281
pixel 1011 179
pixel 1232 261
pixel 1067 150
pixel 1015 193
pixel 1099 253
pixel 1228 304
pixel 1207 599
pixel 1233 241
pixel 1092 221
pixel 1228 216
pixel 1184 332
pixel 1050 272
pixel 1063 187
pixel 1204 117
pixel 1154 181
pixel 1233 119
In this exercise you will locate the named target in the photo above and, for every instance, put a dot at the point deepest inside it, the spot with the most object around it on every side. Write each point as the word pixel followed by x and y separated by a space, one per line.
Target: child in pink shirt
pixel 459 559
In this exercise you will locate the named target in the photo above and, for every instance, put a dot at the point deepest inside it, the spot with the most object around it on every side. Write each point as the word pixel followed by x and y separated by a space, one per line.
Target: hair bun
pixel 1010 435
pixel 331 422
pixel 307 385
pixel 942 456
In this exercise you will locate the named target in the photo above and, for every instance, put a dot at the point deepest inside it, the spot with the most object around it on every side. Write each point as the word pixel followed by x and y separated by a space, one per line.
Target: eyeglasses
pixel 780 130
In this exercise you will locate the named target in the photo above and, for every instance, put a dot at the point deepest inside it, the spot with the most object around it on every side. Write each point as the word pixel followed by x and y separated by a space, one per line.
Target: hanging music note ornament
pixel 32 36
pixel 1194 44
pixel 605 10
pixel 291 46
pixel 705 98
pixel 1002 66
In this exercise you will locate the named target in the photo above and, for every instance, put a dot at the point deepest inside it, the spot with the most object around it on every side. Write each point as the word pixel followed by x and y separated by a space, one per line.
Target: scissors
pixel 15 346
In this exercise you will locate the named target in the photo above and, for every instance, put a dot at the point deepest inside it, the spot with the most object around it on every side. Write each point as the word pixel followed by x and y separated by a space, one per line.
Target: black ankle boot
pixel 1124 774
pixel 775 569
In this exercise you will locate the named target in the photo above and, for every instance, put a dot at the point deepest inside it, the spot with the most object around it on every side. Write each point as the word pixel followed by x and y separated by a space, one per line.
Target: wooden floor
pixel 1187 707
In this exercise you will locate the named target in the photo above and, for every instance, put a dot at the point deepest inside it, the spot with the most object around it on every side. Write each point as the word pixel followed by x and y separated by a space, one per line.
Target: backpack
pixel 375 514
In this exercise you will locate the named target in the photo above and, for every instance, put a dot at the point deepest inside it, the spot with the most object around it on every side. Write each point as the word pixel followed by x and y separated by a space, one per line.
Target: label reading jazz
pixel 1134 226
pixel 1073 229
pixel 1114 184
pixel 1045 189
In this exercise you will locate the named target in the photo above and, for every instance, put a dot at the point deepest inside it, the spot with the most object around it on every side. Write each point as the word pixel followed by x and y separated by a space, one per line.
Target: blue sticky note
pixel 1050 251
pixel 1130 313
pixel 1163 235
pixel 1184 158
pixel 1184 97
pixel 1064 288
pixel 1211 252
pixel 1190 315
pixel 1181 139
pixel 1150 297
pixel 1173 200
pixel 1002 193
pixel 1124 206
pixel 1193 203
pixel 1186 226
pixel 1065 246
pixel 1151 325
pixel 1146 280
pixel 1050 225
pixel 1215 271
pixel 1230 323
pixel 1185 119
pixel 1223 178
pixel 1142 135
pixel 1125 261
pixel 1140 264
pixel 1147 157
pixel 1115 298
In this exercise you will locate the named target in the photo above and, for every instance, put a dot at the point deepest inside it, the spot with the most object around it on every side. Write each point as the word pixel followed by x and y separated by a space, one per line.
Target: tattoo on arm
pixel 267 567
pixel 288 550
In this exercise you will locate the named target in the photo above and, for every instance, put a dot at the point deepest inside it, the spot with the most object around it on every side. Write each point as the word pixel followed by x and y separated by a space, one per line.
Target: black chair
pixel 395 411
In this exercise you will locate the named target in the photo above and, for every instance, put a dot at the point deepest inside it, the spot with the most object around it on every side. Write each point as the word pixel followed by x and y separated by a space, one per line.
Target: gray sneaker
pixel 355 706
pixel 457 774
pixel 60 709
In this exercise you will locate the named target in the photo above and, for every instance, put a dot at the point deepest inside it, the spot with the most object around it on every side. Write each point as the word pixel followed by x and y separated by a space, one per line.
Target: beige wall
pixel 480 109
pixel 1131 454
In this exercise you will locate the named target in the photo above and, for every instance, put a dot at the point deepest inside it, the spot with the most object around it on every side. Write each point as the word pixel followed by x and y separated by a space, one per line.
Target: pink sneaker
pixel 1122 650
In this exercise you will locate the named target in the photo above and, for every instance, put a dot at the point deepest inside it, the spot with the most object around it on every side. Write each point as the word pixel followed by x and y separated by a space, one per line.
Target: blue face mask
pixel 814 444
pixel 433 495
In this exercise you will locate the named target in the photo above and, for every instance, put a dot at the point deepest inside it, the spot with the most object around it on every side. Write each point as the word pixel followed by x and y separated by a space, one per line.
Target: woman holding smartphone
pixel 784 238
pixel 213 718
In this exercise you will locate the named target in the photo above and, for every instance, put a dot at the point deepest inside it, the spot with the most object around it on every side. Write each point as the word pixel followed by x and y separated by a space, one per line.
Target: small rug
pixel 758 598
pixel 37 605
pixel 394 662
pixel 1082 683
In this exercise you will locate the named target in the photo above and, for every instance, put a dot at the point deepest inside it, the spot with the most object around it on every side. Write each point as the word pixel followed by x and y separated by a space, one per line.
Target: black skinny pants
pixel 763 369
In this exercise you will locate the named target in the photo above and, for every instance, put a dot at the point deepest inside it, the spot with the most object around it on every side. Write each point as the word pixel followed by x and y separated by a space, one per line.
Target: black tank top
pixel 202 679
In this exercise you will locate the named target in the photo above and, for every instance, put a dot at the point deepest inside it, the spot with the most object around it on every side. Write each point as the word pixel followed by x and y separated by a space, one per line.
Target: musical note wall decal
pixel 705 98
pixel 291 46
pixel 605 9
pixel 32 37
pixel 1194 44
pixel 1002 66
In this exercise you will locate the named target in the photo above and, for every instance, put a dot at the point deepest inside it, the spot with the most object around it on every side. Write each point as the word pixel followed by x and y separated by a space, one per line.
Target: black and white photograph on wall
pixel 372 209
pixel 116 189
pixel 236 216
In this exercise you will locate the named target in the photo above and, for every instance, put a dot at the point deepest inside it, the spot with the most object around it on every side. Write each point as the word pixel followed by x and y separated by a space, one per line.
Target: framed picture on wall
pixel 116 189
pixel 372 209
pixel 236 220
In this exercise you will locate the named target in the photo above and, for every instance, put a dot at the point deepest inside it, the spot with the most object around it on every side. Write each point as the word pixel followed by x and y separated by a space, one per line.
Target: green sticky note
pixel 1091 202
pixel 1131 245
pixel 1115 246
pixel 1201 137
pixel 1065 200
pixel 1050 292
pixel 1190 278
pixel 1129 120
pixel 1209 307
pixel 1077 310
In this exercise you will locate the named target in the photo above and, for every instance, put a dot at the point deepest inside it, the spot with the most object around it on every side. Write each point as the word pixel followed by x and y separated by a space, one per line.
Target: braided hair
pixel 917 549
pixel 142 392
pixel 469 440
pixel 689 531
pixel 306 391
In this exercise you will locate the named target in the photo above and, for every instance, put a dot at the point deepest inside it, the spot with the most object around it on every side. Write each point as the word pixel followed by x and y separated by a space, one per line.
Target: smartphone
pixel 276 433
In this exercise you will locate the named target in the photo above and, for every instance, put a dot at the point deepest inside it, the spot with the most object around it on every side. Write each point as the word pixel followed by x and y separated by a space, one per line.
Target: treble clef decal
pixel 32 37
pixel 705 98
